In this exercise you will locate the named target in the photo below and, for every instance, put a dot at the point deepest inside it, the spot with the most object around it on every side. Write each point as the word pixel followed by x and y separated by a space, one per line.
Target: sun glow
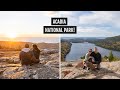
pixel 11 35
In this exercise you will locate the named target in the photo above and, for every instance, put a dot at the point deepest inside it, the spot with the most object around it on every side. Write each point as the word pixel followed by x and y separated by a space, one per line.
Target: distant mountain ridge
pixel 82 39
pixel 12 45
pixel 112 43
pixel 116 38
pixel 32 39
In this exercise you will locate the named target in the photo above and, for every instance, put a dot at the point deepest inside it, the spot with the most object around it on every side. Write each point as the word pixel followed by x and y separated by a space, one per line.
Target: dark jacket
pixel 97 56
pixel 36 53
pixel 25 56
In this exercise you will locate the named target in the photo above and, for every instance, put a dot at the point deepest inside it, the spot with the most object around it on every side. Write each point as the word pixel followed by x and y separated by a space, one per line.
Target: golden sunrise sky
pixel 24 24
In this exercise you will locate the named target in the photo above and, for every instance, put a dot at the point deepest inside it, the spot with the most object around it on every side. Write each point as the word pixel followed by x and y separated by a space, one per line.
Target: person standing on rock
pixel 97 57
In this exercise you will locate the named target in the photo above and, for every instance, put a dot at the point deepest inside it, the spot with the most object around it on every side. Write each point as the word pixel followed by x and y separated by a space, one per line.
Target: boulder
pixel 75 73
pixel 65 73
pixel 35 76
pixel 54 63
pixel 69 65
pixel 79 65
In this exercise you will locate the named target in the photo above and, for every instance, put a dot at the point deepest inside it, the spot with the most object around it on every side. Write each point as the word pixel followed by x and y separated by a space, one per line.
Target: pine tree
pixel 111 57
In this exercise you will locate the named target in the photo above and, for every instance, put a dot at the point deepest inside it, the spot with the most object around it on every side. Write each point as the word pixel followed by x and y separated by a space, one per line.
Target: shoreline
pixel 106 53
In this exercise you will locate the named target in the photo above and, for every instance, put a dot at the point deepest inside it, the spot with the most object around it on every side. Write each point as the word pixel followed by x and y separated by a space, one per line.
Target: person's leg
pixel 90 65
pixel 98 66
pixel 84 65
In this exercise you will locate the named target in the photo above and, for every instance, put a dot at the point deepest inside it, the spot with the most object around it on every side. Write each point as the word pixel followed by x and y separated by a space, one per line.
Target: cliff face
pixel 109 70
pixel 65 49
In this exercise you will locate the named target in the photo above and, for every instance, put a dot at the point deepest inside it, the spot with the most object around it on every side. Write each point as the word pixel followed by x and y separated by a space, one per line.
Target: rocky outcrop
pixel 48 68
pixel 65 49
pixel 49 51
pixel 109 70
pixel 38 71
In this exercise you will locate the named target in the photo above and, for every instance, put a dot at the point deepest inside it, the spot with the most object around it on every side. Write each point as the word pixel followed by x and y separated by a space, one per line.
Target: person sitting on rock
pixel 97 57
pixel 36 52
pixel 26 56
pixel 87 59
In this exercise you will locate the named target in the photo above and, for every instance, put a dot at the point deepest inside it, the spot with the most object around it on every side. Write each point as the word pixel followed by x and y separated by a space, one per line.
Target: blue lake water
pixel 80 49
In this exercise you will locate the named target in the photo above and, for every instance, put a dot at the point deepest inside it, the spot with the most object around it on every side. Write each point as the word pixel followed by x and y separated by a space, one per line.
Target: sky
pixel 89 23
pixel 24 23
pixel 94 23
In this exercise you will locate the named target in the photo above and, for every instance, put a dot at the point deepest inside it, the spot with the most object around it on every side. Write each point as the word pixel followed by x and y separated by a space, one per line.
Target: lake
pixel 80 49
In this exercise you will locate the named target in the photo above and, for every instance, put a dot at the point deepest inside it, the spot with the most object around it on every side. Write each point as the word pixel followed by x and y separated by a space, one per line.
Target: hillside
pixel 82 39
pixel 9 45
pixel 109 70
pixel 112 43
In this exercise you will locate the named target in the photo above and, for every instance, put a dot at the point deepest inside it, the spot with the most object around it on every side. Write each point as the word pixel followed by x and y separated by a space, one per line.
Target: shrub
pixel 82 57
pixel 111 57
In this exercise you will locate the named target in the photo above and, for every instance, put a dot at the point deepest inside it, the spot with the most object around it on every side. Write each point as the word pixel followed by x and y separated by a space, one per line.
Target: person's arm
pixel 86 57
pixel 100 57
pixel 39 52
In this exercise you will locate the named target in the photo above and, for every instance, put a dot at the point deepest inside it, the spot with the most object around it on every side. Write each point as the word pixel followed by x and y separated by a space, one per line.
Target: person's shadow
pixel 104 71
pixel 101 73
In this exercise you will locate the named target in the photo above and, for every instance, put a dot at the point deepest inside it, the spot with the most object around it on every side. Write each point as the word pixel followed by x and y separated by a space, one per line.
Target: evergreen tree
pixel 111 57
pixel 83 57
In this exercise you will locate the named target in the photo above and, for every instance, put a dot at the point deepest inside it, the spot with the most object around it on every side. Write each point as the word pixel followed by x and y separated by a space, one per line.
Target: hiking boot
pixel 84 67
pixel 88 68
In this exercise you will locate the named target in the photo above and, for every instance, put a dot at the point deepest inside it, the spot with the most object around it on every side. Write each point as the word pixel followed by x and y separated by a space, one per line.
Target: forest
pixel 112 43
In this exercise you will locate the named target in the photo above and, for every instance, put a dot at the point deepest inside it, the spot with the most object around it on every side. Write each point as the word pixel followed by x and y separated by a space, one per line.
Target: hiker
pixel 25 55
pixel 97 57
pixel 87 59
pixel 36 52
